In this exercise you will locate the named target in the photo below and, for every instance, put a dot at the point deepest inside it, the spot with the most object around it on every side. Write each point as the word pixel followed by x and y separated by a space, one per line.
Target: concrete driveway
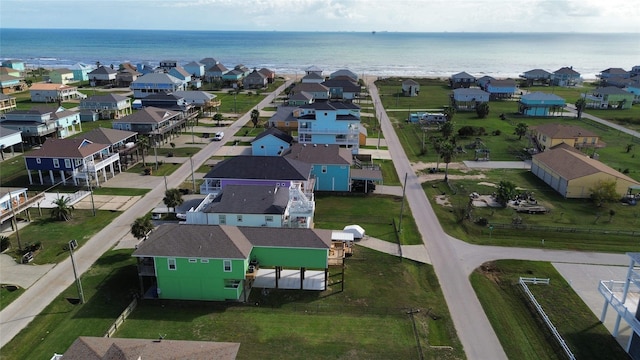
pixel 23 275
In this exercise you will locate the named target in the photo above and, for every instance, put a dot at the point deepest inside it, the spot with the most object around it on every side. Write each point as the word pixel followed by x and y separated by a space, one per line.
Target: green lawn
pixel 522 334
pixel 163 168
pixel 240 103
pixel 55 235
pixel 120 191
pixel 375 213
pixel 320 325
pixel 564 214
pixel 8 294
pixel 108 287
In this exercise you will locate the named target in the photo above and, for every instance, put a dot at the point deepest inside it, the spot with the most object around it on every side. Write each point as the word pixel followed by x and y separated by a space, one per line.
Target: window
pixel 193 261
pixel 222 219
pixel 171 263
pixel 231 284
pixel 67 163
pixel 38 161
pixel 268 218
pixel 204 261
pixel 261 146
pixel 226 265
pixel 239 218
pixel 324 169
pixel 56 163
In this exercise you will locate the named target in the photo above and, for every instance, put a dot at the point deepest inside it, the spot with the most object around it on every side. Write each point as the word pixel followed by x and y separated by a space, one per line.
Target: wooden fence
pixel 125 314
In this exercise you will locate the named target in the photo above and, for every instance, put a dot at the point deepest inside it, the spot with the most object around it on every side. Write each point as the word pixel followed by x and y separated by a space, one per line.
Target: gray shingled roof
pixel 329 154
pixel 346 85
pixel 66 148
pixel 539 95
pixel 250 199
pixel 462 75
pixel 103 70
pixel 260 167
pixel 104 98
pixel 157 78
pixel 101 348
pixel 107 135
pixel 610 90
pixel 148 115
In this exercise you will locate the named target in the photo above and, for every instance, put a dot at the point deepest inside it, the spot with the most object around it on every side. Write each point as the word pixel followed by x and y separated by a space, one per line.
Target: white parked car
pixel 219 136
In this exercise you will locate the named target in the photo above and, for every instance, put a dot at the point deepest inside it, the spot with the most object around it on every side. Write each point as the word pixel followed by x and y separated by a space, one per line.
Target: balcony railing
pixel 328 131
pixel 99 165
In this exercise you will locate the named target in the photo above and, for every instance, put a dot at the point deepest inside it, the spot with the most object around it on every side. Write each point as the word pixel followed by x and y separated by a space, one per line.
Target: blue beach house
pixel 154 83
pixel 195 68
pixel 329 123
pixel 540 104
pixel 80 71
pixel 330 165
pixel 501 89
pixel 14 64
pixel 271 142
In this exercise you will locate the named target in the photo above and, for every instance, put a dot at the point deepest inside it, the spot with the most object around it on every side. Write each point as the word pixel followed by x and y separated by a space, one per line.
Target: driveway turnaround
pixel 22 275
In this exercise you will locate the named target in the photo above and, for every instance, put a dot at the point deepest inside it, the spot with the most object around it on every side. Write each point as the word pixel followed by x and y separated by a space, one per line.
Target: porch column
pixel 104 174
pixel 64 179
pixel 40 175
pixel 95 174
pixel 29 175
pixel 326 277
pixel 302 278
pixel 277 275
pixel 53 179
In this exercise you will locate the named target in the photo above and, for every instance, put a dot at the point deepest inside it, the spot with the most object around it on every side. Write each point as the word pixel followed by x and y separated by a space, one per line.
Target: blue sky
pixel 327 15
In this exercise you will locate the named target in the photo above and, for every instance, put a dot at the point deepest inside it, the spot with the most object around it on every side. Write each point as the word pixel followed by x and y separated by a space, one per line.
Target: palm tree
pixel 447 129
pixel 62 210
pixel 141 227
pixel 143 144
pixel 482 110
pixel 521 130
pixel 255 117
pixel 172 198
pixel 447 152
pixel 449 112
pixel 217 117
pixel 580 104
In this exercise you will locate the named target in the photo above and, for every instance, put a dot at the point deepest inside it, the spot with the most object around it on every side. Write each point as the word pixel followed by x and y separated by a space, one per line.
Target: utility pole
pixel 404 191
pixel 14 220
pixel 72 245
pixel 193 178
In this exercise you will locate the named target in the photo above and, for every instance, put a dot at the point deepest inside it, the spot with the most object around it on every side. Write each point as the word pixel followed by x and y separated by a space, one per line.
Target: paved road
pixel 20 312
pixel 474 330
pixel 572 109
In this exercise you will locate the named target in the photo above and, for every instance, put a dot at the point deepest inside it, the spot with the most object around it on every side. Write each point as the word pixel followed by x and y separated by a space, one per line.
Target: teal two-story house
pixel 219 263
pixel 330 165
pixel 540 104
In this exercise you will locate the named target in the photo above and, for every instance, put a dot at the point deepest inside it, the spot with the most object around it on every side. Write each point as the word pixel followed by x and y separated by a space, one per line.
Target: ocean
pixel 377 54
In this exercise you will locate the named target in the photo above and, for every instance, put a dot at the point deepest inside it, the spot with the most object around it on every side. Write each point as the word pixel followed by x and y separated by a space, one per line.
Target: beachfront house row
pixel 461 80
pixel 342 88
pixel 609 97
pixel 344 72
pixel 257 170
pixel 483 81
pixel 468 99
pixel 313 69
pixel 109 106
pixel 330 165
pixel 155 83
pixel 61 76
pixel 614 73
pixel 103 75
pixel 540 104
pixel 78 158
pixel 221 262
pixel 157 124
pixel 566 76
pixel 537 77
pixel 330 123
pixel 233 76
pixel 317 90
pixel 209 62
pixel 80 71
pixel 196 69
pixel 283 119
pixel 256 206
pixel 41 122
pixel 14 64
pixel 573 174
pixel 410 88
pixel 215 72
pixel 501 89
pixel 271 142
pixel 269 74
pixel 48 93
pixel 255 80
pixel 7 103
pixel 547 136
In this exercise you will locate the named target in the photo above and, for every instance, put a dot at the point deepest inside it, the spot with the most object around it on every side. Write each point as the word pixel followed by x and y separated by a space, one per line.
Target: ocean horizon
pixel 379 53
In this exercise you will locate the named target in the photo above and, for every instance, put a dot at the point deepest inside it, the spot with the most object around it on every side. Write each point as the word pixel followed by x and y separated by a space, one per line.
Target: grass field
pixel 521 332
pixel 564 214
pixel 375 213
pixel 8 294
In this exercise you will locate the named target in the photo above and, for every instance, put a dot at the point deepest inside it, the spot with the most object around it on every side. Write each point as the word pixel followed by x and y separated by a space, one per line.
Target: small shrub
pixel 497 133
pixel 5 243
pixel 482 221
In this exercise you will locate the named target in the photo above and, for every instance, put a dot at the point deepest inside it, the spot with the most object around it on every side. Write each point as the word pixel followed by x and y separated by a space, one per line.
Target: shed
pixel 356 230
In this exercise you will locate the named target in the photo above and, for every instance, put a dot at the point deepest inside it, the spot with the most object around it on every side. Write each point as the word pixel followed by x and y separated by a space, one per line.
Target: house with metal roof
pixel 536 77
pixel 152 121
pixel 257 170
pixel 540 104
pixel 573 174
pixel 312 77
pixel 500 89
pixel 103 75
pixel 271 142
pixel 41 122
pixel 313 69
pixel 547 136
pixel 257 206
pixel 467 99
pixel 609 97
pixel 155 83
pixel 8 139
pixel 109 106
pixel 344 73
pixel 343 88
pixel 83 160
pixel 199 99
pixel 330 123
pixel 222 262
pixel 461 80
